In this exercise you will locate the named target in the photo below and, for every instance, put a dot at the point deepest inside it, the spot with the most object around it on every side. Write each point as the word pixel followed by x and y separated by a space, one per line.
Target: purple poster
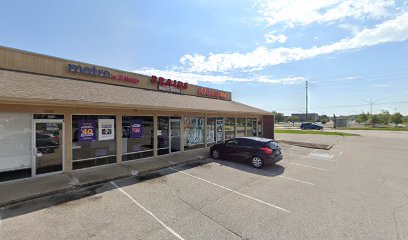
pixel 86 130
pixel 136 128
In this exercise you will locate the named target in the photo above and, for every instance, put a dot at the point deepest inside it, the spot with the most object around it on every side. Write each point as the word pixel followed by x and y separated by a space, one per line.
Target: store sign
pixel 95 72
pixel 86 130
pixel 136 129
pixel 168 85
pixel 212 93
pixel 106 129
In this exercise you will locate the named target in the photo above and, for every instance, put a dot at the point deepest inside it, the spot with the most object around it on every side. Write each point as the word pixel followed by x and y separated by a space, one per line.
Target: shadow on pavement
pixel 269 170
pixel 58 199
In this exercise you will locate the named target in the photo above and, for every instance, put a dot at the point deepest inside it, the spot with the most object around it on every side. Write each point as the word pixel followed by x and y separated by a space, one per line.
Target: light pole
pixel 307 83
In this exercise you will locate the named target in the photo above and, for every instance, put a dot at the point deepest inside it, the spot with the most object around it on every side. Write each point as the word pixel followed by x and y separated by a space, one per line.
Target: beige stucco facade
pixel 38 84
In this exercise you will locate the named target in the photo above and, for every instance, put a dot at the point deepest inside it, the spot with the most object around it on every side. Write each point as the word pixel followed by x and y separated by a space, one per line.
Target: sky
pixel 351 52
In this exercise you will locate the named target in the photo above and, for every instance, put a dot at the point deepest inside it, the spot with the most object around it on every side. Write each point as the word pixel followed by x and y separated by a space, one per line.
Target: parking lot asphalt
pixel 356 190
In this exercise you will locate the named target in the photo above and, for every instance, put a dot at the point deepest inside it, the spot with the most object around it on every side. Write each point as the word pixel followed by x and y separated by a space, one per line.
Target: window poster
pixel 106 129
pixel 194 130
pixel 136 128
pixel 86 130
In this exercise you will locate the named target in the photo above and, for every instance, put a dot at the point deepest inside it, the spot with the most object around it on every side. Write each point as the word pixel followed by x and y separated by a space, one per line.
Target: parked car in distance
pixel 309 125
pixel 258 151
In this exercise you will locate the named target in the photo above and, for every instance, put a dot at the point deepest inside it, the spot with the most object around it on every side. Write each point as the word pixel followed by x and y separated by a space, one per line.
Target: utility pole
pixel 307 83
pixel 371 102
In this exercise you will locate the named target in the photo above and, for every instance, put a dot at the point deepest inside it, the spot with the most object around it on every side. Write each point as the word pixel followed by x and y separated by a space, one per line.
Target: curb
pixel 80 186
pixel 36 196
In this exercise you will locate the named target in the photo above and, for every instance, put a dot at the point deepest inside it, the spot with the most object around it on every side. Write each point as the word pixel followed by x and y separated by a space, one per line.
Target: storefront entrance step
pixel 31 188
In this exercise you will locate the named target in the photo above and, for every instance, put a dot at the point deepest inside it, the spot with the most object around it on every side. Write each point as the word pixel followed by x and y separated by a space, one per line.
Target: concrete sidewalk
pixel 31 188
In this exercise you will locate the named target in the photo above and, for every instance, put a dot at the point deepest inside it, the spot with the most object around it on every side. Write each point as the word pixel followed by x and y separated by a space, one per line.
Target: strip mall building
pixel 59 116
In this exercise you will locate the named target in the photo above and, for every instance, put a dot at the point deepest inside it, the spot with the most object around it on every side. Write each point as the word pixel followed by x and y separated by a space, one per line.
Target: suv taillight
pixel 267 151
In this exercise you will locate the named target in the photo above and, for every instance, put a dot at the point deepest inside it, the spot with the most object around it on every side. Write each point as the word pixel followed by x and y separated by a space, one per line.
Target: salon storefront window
pixel 15 146
pixel 240 127
pixel 193 132
pixel 211 131
pixel 137 137
pixel 229 128
pixel 93 140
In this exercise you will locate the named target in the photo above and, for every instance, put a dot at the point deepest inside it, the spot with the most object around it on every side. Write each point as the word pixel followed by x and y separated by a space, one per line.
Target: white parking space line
pixel 306 166
pixel 340 153
pixel 311 157
pixel 296 180
pixel 150 213
pixel 233 191
pixel 321 155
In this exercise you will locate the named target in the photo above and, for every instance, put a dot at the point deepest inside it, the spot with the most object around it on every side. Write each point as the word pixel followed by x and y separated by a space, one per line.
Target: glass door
pixel 175 135
pixel 48 146
pixel 219 131
pixel 254 127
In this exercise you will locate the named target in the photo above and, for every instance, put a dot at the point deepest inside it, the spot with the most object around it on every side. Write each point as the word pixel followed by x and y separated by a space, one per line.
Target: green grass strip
pixel 290 131
pixel 377 128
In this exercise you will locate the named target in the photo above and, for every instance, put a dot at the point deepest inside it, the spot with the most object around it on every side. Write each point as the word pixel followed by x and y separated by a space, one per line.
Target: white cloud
pixel 272 38
pixel 304 12
pixel 380 85
pixel 194 78
pixel 354 29
pixel 350 78
pixel 389 31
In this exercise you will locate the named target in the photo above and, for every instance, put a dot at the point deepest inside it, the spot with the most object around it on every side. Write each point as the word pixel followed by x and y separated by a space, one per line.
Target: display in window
pixel 87 130
pixel 211 131
pixel 194 130
pixel 106 129
pixel 136 128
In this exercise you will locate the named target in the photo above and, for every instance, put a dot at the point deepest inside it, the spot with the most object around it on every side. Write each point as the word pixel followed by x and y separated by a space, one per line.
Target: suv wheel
pixel 215 154
pixel 256 161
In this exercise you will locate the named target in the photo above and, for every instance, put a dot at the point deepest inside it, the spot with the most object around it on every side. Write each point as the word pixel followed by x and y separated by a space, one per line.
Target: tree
pixel 396 118
pixel 324 119
pixel 374 119
pixel 293 119
pixel 384 117
pixel 362 117
pixel 279 117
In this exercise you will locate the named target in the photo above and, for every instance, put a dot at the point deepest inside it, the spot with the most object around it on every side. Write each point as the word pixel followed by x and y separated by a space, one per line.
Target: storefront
pixel 59 116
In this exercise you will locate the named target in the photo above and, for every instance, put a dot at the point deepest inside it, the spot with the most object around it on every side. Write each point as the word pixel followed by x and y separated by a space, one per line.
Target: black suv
pixel 258 151
pixel 309 125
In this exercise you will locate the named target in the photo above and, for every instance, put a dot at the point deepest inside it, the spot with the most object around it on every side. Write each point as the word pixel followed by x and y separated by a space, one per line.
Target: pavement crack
pixel 394 217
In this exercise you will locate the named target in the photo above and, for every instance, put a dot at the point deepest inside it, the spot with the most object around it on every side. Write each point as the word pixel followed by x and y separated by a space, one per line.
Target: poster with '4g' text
pixel 86 130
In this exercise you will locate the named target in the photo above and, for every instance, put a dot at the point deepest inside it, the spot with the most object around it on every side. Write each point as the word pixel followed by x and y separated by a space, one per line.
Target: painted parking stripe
pixel 233 191
pixel 150 213
pixel 297 180
pixel 311 157
pixel 306 166
pixel 321 155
